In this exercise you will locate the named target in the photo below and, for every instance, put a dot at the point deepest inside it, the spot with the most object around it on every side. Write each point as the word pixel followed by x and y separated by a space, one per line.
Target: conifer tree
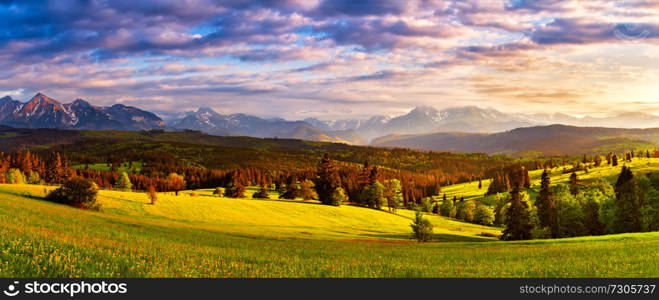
pixel 327 180
pixel 124 182
pixel 518 216
pixel 574 184
pixel 628 203
pixel 546 205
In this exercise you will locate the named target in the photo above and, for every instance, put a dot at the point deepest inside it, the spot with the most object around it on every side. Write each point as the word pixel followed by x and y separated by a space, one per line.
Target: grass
pixel 124 167
pixel 470 190
pixel 206 236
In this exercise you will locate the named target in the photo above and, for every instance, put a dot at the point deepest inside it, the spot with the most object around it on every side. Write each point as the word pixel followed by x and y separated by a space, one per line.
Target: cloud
pixel 359 57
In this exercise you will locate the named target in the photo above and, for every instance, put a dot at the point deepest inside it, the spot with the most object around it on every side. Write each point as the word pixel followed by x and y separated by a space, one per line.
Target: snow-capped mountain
pixel 424 119
pixel 207 120
pixel 45 112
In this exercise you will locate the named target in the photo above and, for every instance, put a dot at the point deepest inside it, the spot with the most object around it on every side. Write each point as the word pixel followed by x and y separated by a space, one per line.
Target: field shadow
pixel 440 237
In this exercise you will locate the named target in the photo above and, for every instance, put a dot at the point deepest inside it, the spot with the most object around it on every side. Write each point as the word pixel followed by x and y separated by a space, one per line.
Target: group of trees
pixel 465 210
pixel 579 209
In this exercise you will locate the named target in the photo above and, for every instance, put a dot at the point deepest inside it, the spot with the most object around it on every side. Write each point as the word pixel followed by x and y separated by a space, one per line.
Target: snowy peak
pixel 42 111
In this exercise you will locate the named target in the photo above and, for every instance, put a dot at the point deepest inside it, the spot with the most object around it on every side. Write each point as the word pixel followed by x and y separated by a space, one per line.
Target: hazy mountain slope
pixel 546 140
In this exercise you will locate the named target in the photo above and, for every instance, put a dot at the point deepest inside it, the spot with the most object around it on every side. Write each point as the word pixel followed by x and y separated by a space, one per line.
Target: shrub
pixel 77 192
pixel 15 176
pixel 123 183
pixel 236 190
pixel 306 190
pixel 421 228
pixel 34 178
pixel 339 197
pixel 484 215
pixel 465 211
pixel 153 195
pixel 218 192
pixel 426 204
pixel 262 194
pixel 447 208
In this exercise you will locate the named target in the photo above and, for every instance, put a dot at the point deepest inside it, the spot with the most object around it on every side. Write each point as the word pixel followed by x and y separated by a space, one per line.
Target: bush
pixel 339 196
pixel 34 178
pixel 153 195
pixel 15 176
pixel 465 210
pixel 218 192
pixel 421 228
pixel 262 193
pixel 426 204
pixel 77 192
pixel 123 183
pixel 484 215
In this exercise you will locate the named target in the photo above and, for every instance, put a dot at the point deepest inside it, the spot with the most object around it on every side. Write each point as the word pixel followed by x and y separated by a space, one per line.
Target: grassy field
pixel 124 167
pixel 206 236
pixel 471 191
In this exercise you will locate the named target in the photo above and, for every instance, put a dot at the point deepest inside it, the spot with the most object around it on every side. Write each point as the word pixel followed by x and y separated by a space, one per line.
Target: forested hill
pixel 227 153
pixel 540 140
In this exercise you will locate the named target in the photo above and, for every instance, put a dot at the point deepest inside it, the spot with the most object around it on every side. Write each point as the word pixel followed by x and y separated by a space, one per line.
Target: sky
pixel 335 59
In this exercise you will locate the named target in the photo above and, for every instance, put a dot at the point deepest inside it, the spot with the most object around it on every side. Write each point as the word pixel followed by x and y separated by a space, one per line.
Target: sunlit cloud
pixel 335 59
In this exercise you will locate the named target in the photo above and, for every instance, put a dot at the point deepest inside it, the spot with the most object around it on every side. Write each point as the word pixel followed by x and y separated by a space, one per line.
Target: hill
pixel 540 140
pixel 208 236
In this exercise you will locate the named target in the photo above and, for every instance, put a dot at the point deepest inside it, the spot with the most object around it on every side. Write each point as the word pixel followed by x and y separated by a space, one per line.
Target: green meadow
pixel 470 190
pixel 196 234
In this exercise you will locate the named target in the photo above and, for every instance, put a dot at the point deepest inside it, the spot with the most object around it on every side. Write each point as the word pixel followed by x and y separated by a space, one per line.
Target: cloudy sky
pixel 335 58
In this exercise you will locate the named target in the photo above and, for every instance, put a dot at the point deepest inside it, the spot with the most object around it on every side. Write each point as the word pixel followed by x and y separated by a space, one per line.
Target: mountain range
pixel 45 112
pixel 424 127
pixel 530 141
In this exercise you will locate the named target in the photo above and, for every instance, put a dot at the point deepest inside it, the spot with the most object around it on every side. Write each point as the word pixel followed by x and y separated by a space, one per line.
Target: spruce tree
pixel 628 203
pixel 518 217
pixel 327 180
pixel 124 182
pixel 574 184
pixel 546 205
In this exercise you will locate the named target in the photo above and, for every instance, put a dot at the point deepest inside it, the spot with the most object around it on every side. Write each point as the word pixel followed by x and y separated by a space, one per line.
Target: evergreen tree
pixel 327 180
pixel 614 160
pixel 339 197
pixel 628 203
pixel 55 172
pixel 518 216
pixel 374 195
pixel 546 205
pixel 421 228
pixel 574 184
pixel 124 182
pixel 480 183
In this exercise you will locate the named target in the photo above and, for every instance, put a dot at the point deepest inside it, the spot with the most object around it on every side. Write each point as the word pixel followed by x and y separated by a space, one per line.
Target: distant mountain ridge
pixel 540 140
pixel 42 111
pixel 209 121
